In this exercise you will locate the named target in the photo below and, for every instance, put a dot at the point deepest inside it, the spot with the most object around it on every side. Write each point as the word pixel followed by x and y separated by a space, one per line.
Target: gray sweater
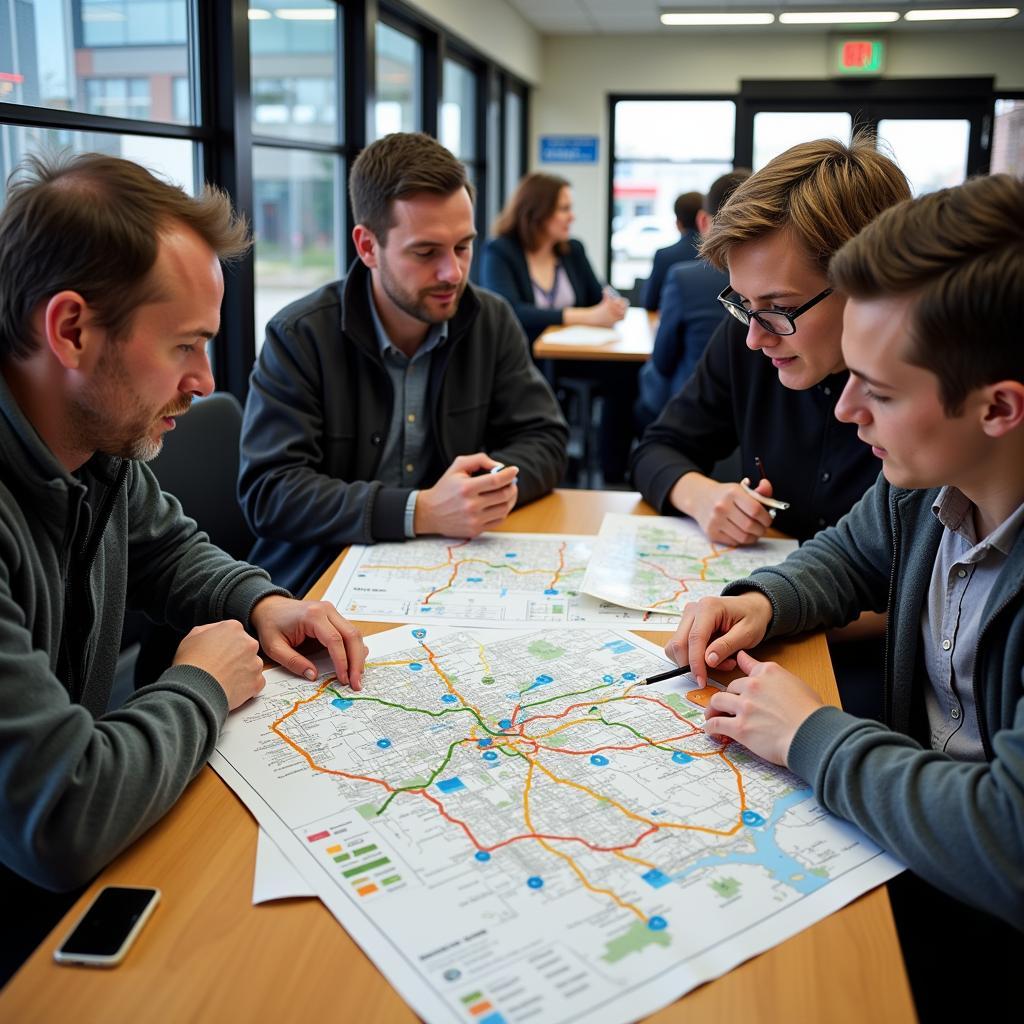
pixel 960 825
pixel 78 784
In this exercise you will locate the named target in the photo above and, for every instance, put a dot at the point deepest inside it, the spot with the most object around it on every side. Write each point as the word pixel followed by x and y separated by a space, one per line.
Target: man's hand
pixel 461 504
pixel 283 623
pixel 738 623
pixel 229 654
pixel 763 710
pixel 725 512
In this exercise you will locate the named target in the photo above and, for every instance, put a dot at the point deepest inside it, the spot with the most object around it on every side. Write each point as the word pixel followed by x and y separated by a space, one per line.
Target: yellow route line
pixel 635 860
pixel 618 900
pixel 384 664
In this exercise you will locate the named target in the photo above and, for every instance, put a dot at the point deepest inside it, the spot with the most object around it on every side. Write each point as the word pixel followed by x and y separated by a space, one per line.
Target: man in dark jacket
pixel 110 289
pixel 931 337
pixel 401 401
pixel 687 209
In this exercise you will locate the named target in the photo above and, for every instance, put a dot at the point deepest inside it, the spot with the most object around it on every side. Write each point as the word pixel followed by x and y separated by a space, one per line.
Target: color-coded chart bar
pixel 365 890
pixel 317 836
pixel 336 848
pixel 363 850
pixel 360 868
pixel 478 1005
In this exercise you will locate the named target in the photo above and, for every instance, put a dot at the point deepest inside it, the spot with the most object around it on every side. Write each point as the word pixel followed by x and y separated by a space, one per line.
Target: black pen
pixel 670 674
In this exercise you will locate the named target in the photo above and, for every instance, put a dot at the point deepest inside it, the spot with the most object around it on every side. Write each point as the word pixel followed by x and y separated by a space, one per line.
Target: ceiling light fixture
pixel 951 14
pixel 838 17
pixel 716 18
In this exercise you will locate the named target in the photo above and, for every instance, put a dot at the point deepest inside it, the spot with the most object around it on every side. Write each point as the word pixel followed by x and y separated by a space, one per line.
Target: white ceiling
pixel 611 17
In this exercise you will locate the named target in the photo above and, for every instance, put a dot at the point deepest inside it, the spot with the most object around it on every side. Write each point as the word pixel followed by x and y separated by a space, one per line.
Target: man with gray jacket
pixel 402 400
pixel 932 338
pixel 110 289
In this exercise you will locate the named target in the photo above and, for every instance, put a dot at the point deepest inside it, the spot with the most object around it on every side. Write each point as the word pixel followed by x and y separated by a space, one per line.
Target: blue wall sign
pixel 568 149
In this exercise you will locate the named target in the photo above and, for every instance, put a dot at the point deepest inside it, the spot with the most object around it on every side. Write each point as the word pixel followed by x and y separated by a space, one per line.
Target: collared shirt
pixel 561 295
pixel 965 571
pixel 401 464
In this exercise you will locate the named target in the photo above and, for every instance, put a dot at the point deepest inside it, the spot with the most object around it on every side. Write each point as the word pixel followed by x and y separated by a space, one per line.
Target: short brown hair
pixel 960 253
pixel 532 204
pixel 398 166
pixel 686 208
pixel 91 224
pixel 824 192
pixel 722 188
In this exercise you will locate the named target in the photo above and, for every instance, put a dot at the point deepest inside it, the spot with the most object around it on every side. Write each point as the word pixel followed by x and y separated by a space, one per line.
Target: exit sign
pixel 860 56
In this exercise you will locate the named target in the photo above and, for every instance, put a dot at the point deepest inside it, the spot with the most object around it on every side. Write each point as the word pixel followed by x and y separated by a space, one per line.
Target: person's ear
pixel 67 329
pixel 367 246
pixel 1003 407
pixel 703 221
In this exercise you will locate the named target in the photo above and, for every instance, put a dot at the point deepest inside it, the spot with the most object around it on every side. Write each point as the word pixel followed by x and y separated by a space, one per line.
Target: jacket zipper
pixel 886 664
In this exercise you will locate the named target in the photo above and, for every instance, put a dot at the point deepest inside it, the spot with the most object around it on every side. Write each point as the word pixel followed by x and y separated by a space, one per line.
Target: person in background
pixel 401 401
pixel 534 263
pixel 687 209
pixel 690 312
pixel 932 339
pixel 769 380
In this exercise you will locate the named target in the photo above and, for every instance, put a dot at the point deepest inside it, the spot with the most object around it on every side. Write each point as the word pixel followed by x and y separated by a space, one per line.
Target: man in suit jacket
pixel 690 312
pixel 687 210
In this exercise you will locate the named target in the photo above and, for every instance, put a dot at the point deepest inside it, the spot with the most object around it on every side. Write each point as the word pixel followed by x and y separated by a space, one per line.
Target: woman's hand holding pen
pixel 727 513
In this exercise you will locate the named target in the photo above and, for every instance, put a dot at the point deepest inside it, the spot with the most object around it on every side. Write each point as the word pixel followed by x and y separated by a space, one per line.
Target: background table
pixel 209 955
pixel 634 343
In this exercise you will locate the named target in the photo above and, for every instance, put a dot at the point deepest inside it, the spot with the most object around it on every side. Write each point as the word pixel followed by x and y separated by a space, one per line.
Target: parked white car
pixel 642 237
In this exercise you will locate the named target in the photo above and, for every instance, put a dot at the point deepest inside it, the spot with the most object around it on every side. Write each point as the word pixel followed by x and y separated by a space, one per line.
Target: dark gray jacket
pixel 78 784
pixel 319 409
pixel 960 825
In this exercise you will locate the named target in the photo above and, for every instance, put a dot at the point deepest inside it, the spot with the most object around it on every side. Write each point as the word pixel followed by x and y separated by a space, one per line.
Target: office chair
pixel 199 466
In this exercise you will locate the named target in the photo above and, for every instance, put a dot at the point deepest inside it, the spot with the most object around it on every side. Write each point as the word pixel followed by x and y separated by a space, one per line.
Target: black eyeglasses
pixel 771 320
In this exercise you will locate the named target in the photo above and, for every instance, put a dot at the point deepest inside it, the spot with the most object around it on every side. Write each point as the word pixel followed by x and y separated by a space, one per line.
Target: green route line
pixel 561 696
pixel 639 735
pixel 420 711
pixel 430 781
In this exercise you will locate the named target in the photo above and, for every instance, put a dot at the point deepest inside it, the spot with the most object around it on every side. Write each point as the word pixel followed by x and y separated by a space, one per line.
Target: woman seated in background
pixel 543 272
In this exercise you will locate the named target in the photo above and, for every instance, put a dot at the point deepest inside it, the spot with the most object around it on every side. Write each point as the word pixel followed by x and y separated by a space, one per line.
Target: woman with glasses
pixel 770 377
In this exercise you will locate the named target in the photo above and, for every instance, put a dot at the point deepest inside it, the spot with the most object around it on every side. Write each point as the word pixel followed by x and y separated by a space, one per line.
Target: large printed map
pixel 496 579
pixel 514 828
pixel 658 563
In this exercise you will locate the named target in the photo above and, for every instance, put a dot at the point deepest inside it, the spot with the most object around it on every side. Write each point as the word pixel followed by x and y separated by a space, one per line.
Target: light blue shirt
pixel 401 464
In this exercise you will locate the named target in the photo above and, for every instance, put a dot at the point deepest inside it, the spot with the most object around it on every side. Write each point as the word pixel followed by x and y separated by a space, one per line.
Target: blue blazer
pixel 681 251
pixel 690 312
pixel 504 271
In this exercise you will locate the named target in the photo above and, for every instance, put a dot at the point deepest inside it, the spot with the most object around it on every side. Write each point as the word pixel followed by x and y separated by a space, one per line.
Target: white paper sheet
pixel 274 877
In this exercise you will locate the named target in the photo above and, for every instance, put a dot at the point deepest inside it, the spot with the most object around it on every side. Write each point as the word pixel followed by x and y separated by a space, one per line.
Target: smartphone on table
pixel 109 926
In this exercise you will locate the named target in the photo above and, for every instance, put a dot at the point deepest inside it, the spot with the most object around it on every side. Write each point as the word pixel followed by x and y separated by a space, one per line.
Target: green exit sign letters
pixel 860 56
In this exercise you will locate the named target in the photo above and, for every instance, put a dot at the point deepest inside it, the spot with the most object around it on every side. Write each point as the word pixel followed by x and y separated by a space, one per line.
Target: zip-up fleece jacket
pixel 319 410
pixel 79 783
pixel 959 825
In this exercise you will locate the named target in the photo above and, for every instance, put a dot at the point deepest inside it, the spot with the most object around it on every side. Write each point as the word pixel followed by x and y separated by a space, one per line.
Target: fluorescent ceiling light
pixel 714 18
pixel 305 13
pixel 258 14
pixel 949 14
pixel 838 17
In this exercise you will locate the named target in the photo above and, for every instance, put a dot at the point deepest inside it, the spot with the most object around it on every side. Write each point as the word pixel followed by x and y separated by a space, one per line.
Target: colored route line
pixel 559 571
pixel 526 746
pixel 684 580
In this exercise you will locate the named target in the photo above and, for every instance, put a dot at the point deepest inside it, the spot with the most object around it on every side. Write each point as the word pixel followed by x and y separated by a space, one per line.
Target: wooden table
pixel 209 955
pixel 634 343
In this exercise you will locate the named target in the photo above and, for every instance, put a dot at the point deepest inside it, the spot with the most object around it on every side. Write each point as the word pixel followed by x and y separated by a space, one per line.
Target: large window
pixel 661 148
pixel 297 161
pixel 272 100
pixel 1008 137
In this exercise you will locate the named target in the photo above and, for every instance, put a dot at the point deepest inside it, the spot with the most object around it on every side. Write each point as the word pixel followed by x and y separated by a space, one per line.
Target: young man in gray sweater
pixel 110 289
pixel 932 337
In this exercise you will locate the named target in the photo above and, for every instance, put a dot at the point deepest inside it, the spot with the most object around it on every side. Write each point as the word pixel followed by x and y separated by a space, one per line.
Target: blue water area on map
pixel 752 819
pixel 492 1018
pixel 485 742
pixel 505 723
pixel 629 676
pixel 607 679
pixel 426 608
pixel 511 554
pixel 490 755
pixel 452 785
pixel 599 760
pixel 766 853
pixel 539 681
pixel 482 855
pixel 550 592
pixel 384 743
pixel 535 882
pixel 341 704
pixel 619 646
pixel 449 698
pixel 663 547
pixel 657 924
pixel 503 592
pixel 415 666
pixel 474 579
pixel 655 878
pixel 680 758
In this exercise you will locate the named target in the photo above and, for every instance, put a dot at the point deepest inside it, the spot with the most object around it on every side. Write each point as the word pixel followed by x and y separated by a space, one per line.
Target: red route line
pixel 715 553
pixel 455 571
pixel 561 565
